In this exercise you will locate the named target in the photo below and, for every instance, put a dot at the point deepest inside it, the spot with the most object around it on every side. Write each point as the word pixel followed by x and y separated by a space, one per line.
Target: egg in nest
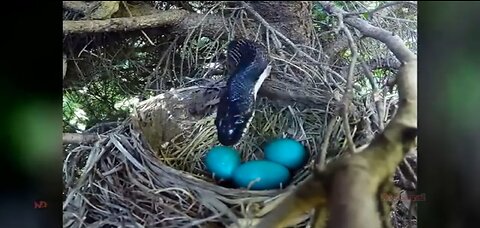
pixel 287 152
pixel 261 175
pixel 221 162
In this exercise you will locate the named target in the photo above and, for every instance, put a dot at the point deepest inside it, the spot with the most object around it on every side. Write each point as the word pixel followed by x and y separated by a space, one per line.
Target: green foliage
pixel 320 18
pixel 378 73
pixel 71 107
pixel 98 102
pixel 113 74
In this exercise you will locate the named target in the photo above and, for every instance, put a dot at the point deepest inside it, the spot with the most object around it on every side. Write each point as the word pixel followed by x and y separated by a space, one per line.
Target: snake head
pixel 231 124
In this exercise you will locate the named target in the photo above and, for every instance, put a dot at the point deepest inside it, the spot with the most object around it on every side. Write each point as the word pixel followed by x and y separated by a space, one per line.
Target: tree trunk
pixel 291 18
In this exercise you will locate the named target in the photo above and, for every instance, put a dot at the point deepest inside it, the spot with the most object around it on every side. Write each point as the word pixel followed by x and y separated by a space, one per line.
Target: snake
pixel 248 65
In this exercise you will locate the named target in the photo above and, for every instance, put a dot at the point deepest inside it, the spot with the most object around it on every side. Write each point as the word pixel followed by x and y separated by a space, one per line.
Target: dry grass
pixel 149 172
pixel 121 180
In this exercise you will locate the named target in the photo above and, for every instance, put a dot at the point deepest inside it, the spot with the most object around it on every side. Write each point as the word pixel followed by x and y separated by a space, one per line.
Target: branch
pixel 269 27
pixel 321 160
pixel 77 138
pixel 124 24
pixel 309 194
pixel 376 95
pixel 64 65
pixel 353 183
pixel 288 41
pixel 347 96
pixel 393 42
pixel 384 6
pixel 181 21
pixel 383 63
pixel 354 186
pixel 336 47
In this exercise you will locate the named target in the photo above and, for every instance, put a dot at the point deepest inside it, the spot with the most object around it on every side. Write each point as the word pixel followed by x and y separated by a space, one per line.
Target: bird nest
pixel 149 171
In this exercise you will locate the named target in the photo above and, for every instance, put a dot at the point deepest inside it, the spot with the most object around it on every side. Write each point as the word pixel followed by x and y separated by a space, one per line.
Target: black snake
pixel 248 67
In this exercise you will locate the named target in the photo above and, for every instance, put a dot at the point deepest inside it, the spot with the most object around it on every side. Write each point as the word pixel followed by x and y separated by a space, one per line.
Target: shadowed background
pixel 31 114
pixel 449 102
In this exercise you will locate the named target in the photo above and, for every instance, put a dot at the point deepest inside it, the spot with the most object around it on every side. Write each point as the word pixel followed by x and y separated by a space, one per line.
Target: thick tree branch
pixel 165 18
pixel 77 138
pixel 180 21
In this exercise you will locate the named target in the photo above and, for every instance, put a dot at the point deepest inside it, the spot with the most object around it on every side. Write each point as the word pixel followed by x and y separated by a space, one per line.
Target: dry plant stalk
pixel 348 191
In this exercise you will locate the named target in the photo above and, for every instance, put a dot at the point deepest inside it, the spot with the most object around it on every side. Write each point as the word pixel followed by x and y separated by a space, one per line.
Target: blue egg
pixel 286 152
pixel 221 162
pixel 264 175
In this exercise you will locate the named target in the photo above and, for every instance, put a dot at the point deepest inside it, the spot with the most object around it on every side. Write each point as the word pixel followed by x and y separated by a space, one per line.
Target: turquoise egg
pixel 287 152
pixel 221 162
pixel 264 174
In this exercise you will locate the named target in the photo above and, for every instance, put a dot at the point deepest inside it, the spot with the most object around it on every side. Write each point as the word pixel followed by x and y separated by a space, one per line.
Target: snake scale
pixel 248 67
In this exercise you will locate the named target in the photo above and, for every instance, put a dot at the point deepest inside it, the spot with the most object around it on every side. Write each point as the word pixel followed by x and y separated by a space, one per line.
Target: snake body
pixel 248 65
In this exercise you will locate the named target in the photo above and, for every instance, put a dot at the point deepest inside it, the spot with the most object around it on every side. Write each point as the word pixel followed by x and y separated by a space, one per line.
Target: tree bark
pixel 291 18
pixel 179 22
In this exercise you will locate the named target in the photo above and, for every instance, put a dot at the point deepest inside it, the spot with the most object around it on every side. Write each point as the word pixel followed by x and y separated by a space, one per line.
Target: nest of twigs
pixel 149 172
pixel 136 175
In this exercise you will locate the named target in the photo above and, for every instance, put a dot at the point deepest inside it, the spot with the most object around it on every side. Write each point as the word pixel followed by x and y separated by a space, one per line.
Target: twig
pixel 392 41
pixel 124 3
pixel 157 68
pixel 384 63
pixel 346 100
pixel 408 173
pixel 376 95
pixel 326 140
pixel 370 12
pixel 103 127
pixel 64 65
pixel 399 19
pixel 403 182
